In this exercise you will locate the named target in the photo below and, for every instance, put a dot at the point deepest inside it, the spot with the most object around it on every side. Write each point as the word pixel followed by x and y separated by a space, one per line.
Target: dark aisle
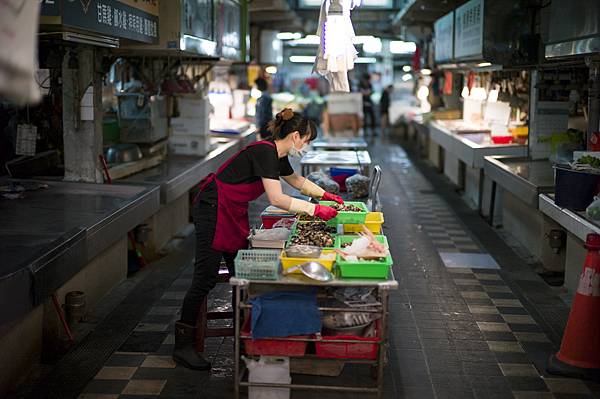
pixel 470 319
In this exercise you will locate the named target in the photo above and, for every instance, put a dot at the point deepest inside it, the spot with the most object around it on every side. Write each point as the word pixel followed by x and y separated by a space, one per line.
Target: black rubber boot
pixel 185 351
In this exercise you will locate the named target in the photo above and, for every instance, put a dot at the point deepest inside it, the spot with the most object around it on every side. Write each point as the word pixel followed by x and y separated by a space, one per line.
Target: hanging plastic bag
pixel 285 223
pixel 358 186
pixel 593 210
pixel 324 181
pixel 18 51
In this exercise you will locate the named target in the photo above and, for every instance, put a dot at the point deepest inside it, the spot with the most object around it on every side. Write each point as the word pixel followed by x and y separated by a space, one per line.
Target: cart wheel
pixel 374 370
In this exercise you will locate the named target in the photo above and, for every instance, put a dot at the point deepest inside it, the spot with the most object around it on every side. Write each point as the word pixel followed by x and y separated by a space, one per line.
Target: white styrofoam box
pixel 344 103
pixel 189 145
pixel 497 113
pixel 192 106
pixel 472 110
pixel 189 126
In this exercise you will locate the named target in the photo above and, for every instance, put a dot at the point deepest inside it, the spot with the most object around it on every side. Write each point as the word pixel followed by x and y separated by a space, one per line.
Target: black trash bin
pixel 575 189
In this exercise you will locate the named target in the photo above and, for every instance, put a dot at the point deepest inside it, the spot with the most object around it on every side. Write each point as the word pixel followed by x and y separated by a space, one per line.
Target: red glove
pixel 332 197
pixel 325 212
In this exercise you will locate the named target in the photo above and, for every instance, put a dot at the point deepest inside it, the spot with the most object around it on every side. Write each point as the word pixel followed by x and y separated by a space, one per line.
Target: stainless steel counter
pixel 179 173
pixel 576 223
pixel 316 159
pixel 51 234
pixel 524 178
pixel 471 146
pixel 340 143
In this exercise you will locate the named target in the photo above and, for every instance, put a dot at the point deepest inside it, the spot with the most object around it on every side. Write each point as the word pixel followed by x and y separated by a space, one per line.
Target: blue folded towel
pixel 281 314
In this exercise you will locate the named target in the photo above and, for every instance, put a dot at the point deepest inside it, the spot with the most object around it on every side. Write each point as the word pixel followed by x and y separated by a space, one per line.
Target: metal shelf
pixel 242 286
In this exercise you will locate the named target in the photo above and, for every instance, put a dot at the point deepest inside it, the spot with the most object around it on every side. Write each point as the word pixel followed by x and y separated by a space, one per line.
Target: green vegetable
pixel 590 160
pixel 571 136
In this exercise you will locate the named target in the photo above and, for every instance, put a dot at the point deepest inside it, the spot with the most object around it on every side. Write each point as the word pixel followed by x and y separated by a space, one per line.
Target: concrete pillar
pixel 171 218
pixel 20 345
pixel 82 116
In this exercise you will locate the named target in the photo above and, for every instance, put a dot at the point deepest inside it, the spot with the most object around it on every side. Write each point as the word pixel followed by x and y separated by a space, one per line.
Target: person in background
pixel 264 107
pixel 368 110
pixel 384 107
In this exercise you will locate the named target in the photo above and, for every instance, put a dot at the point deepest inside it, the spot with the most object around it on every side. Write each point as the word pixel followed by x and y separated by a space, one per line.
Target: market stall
pixel 328 293
pixel 577 225
pixel 464 149
pixel 518 182
pixel 561 111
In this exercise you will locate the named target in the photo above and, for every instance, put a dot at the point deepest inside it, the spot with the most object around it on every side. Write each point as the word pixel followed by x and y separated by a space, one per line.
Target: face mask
pixel 298 153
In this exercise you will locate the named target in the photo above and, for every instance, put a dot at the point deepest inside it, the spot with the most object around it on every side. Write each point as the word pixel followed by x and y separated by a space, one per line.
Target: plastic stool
pixel 203 330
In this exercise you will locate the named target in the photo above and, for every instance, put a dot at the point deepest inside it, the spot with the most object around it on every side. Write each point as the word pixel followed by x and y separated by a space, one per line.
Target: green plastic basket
pixel 257 264
pixel 293 233
pixel 348 217
pixel 363 269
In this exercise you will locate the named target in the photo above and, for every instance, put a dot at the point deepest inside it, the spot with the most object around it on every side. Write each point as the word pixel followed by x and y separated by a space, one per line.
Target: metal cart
pixel 242 288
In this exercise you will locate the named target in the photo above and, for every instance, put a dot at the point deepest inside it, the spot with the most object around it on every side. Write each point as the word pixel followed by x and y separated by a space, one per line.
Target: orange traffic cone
pixel 579 354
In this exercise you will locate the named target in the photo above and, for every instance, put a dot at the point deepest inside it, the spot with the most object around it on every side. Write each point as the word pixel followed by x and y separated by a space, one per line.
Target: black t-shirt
pixel 250 166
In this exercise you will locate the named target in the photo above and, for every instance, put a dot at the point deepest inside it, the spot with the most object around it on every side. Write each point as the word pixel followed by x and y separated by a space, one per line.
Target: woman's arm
pixel 283 201
pixel 280 200
pixel 294 180
pixel 305 186
pixel 309 188
pixel 275 193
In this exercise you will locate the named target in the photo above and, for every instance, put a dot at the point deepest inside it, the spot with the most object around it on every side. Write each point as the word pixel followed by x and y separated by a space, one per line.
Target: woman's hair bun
pixel 288 121
pixel 286 114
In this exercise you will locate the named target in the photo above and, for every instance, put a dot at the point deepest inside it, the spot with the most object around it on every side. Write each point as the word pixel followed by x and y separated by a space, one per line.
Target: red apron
pixel 233 227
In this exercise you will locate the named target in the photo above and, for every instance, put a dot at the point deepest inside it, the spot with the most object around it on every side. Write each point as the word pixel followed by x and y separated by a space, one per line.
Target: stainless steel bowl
pixel 122 153
pixel 303 251
pixel 354 330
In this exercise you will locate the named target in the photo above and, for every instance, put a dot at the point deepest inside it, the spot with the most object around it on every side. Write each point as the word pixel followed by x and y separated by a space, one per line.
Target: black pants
pixel 208 261
pixel 369 113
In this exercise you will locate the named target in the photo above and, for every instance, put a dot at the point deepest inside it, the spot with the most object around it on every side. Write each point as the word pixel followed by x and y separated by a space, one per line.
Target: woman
pixel 221 213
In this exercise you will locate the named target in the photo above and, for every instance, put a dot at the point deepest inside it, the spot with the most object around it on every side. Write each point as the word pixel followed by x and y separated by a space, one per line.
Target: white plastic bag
pixel 272 370
pixel 285 223
pixel 358 186
pixel 18 51
pixel 593 210
pixel 276 233
pixel 324 181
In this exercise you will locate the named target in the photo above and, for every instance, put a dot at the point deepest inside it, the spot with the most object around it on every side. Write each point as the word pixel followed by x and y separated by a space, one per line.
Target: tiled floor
pixel 461 325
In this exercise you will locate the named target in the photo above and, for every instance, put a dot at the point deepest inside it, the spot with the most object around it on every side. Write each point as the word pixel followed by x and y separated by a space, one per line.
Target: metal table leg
pixel 383 347
pixel 481 188
pixel 492 203
pixel 236 371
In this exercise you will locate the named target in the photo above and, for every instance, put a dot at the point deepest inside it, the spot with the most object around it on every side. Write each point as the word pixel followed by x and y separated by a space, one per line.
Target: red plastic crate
pixel 366 349
pixel 269 221
pixel 270 347
pixel 502 139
